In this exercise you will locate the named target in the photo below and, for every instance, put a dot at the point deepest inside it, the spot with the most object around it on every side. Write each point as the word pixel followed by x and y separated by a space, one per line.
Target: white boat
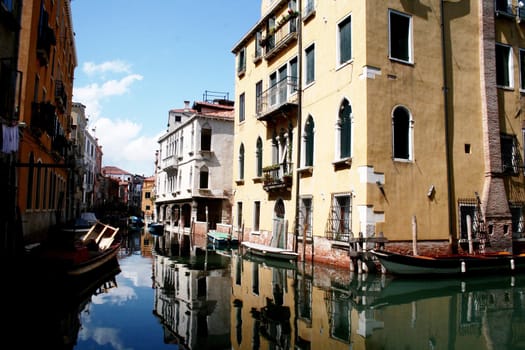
pixel 269 251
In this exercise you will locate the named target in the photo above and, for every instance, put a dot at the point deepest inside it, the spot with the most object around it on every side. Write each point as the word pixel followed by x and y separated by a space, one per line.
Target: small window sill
pixel 308 170
pixel 239 182
pixel 343 163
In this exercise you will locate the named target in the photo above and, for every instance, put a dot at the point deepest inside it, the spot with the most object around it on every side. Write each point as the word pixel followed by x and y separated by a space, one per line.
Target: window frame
pixel 340 61
pixel 241 161
pixel 256 216
pixel 259 157
pixel 409 40
pixel 309 142
pixel 309 80
pixel 241 61
pixel 521 55
pixel 508 63
pixel 341 139
pixel 242 107
pixel 409 136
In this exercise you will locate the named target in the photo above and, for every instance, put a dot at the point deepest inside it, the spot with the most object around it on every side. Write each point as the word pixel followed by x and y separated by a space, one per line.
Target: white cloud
pixel 124 147
pixel 116 66
pixel 92 95
pixel 122 144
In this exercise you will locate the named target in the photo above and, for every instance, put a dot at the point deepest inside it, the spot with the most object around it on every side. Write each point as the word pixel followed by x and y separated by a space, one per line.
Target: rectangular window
pixel 241 108
pixel 345 40
pixel 258 47
pixel 503 66
pixel 309 7
pixel 283 84
pixel 310 64
pixel 241 63
pixel 400 44
pixel 340 221
pixel 510 157
pixel 273 89
pixel 522 69
pixel 256 215
pixel 504 7
pixel 258 97
pixel 293 75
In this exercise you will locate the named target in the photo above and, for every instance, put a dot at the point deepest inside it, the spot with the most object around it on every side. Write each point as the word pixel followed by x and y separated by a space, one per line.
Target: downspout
pixel 450 175
pixel 299 126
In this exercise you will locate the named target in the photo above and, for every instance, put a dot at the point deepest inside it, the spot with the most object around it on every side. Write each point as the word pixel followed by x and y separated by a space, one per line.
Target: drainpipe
pixel 299 125
pixel 450 176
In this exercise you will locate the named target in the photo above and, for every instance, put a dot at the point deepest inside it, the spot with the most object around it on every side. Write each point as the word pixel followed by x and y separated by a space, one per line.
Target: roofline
pixel 258 25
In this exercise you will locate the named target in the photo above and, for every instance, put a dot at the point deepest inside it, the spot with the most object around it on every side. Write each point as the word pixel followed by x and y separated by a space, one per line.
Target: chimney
pixel 186 106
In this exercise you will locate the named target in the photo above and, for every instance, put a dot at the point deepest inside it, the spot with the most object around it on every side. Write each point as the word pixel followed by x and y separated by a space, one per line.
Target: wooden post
pixel 414 235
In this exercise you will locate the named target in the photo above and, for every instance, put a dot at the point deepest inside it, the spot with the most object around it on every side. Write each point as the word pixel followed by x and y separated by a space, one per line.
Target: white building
pixel 194 167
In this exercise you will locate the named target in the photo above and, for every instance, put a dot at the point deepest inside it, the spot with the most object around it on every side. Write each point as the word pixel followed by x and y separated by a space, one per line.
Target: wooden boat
pixel 96 248
pixel 156 229
pixel 221 239
pixel 269 251
pixel 446 265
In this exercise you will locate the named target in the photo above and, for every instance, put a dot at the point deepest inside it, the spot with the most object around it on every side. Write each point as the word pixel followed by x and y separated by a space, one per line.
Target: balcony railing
pixel 277 177
pixel 170 163
pixel 280 38
pixel 276 97
pixel 505 9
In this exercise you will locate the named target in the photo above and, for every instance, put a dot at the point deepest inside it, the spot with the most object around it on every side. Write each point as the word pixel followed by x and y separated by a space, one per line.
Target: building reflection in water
pixel 272 305
pixel 192 300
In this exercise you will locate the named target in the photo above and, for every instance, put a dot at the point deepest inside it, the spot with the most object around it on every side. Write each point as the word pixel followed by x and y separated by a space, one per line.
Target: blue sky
pixel 139 59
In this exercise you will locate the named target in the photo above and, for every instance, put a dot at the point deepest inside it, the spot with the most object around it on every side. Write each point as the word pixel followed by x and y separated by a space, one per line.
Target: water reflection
pixel 272 305
pixel 46 311
pixel 222 300
pixel 192 300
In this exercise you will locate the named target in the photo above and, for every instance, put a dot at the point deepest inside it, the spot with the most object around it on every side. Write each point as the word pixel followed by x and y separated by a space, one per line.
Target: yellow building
pixel 148 199
pixel 394 118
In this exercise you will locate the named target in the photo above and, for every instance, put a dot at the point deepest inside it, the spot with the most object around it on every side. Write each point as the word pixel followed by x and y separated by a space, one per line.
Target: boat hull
pixel 269 251
pixel 400 264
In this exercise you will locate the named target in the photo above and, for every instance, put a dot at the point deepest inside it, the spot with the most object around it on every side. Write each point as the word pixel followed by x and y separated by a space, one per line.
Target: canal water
pixel 222 300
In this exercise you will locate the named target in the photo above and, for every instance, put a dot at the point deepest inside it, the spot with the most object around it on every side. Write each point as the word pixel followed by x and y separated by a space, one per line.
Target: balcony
pixel 278 99
pixel 279 38
pixel 505 9
pixel 170 163
pixel 278 177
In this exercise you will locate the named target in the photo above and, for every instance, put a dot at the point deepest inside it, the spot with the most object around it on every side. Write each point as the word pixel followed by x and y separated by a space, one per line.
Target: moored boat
pixel 446 265
pixel 97 247
pixel 221 239
pixel 269 251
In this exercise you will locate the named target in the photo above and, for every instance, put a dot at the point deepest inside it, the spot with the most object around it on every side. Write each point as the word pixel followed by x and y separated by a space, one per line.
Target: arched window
pixel 309 142
pixel 344 124
pixel 241 162
pixel 258 156
pixel 203 177
pixel 401 134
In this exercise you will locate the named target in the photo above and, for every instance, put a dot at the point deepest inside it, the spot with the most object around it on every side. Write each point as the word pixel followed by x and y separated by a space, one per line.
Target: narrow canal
pixel 221 300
